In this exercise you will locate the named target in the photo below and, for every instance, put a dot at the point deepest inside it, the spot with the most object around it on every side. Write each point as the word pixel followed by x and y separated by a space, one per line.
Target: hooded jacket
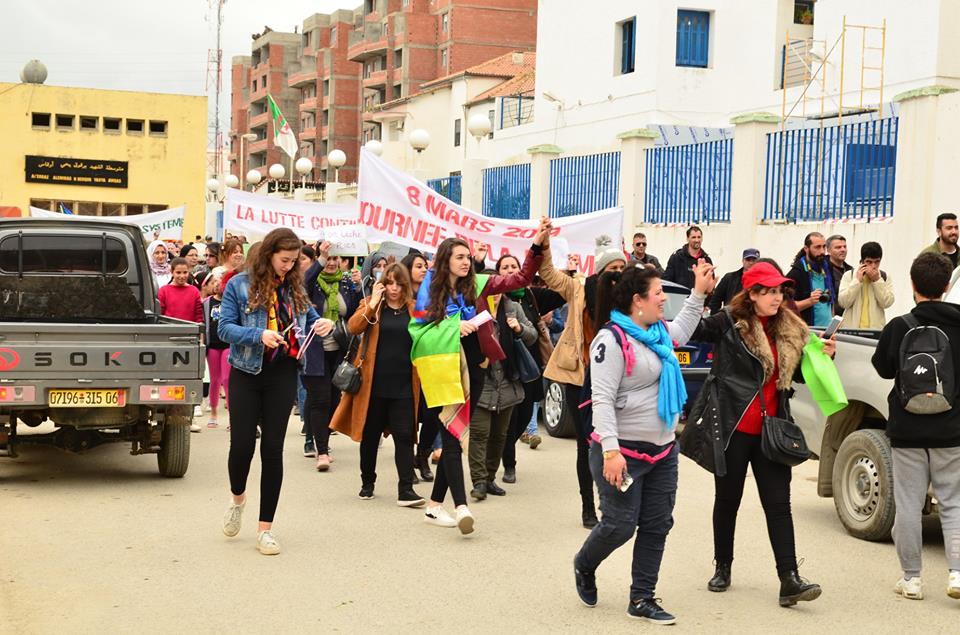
pixel 905 429
pixel 680 266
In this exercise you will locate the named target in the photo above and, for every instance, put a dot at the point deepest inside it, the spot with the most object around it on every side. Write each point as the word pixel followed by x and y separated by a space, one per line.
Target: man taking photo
pixel 813 281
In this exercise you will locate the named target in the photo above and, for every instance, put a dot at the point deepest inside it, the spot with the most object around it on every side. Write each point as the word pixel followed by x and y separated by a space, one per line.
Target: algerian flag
pixel 283 136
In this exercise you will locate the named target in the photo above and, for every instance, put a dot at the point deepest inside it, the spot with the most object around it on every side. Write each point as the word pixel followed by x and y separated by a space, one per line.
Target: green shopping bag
pixel 822 378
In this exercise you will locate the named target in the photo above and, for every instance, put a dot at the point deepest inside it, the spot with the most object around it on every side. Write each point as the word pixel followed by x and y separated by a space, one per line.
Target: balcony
pixel 367 43
pixel 309 105
pixel 255 147
pixel 259 120
pixel 376 79
pixel 308 133
pixel 306 74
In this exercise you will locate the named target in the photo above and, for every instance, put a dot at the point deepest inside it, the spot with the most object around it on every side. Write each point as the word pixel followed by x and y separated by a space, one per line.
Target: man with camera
pixel 813 281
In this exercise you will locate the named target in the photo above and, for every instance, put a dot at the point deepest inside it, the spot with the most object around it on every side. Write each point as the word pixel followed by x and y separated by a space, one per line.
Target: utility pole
pixel 215 80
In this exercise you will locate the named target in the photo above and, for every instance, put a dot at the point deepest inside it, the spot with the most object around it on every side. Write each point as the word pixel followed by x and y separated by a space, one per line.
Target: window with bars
pixel 693 38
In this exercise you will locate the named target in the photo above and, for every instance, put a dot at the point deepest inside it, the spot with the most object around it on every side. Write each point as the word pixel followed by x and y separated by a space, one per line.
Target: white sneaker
pixel 464 520
pixel 267 544
pixel 438 516
pixel 953 585
pixel 198 411
pixel 911 589
pixel 233 518
pixel 195 427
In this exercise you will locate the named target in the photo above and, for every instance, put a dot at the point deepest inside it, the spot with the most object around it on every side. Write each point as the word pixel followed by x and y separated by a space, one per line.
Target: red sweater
pixel 182 303
pixel 752 420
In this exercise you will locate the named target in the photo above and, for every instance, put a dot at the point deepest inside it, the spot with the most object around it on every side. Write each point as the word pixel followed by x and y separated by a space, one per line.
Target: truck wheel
pixel 174 456
pixel 556 418
pixel 863 485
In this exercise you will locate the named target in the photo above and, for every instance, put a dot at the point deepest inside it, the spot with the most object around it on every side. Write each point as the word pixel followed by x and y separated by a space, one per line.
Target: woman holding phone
pixel 758 344
pixel 638 395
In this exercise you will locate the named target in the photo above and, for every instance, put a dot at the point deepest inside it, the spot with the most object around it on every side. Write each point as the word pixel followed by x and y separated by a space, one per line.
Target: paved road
pixel 100 543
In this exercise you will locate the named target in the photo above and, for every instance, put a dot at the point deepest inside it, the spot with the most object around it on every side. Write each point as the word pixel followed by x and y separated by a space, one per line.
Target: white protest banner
pixel 255 215
pixel 347 240
pixel 166 224
pixel 395 206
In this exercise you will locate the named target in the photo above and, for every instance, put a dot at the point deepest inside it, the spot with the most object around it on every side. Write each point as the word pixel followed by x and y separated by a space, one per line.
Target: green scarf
pixel 517 294
pixel 329 283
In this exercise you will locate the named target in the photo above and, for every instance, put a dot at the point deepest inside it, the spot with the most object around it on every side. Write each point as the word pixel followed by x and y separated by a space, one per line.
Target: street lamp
pixel 276 171
pixel 336 158
pixel 374 146
pixel 213 186
pixel 419 140
pixel 479 126
pixel 231 181
pixel 254 177
pixel 245 137
pixel 303 166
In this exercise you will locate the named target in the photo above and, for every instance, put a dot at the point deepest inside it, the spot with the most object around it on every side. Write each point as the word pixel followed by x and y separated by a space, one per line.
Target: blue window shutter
pixel 628 40
pixel 693 38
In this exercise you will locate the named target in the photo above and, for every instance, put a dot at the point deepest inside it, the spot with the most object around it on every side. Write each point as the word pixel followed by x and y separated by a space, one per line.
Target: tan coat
pixel 879 295
pixel 566 365
pixel 351 414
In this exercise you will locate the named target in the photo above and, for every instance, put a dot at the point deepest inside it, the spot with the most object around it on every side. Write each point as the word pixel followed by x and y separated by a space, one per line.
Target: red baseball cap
pixel 765 275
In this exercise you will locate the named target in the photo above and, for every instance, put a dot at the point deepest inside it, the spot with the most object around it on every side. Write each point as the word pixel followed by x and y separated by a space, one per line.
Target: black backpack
pixel 926 377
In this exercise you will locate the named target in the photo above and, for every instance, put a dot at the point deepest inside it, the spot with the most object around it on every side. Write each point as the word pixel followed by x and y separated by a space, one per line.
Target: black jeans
pixel 773 484
pixel 265 400
pixel 429 429
pixel 522 413
pixel 646 509
pixel 317 410
pixel 572 396
pixel 450 470
pixel 395 415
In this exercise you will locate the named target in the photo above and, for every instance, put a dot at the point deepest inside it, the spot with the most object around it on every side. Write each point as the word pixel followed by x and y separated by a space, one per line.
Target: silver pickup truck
pixel 856 466
pixel 83 346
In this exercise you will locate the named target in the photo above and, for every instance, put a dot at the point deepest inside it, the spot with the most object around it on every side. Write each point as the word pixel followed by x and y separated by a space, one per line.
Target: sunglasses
pixel 639 244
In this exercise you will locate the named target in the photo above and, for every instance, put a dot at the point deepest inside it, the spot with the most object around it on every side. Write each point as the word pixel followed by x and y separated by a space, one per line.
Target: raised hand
pixel 704 280
pixel 377 294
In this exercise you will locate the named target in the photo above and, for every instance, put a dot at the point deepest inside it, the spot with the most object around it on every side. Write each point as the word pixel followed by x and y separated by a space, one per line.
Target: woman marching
pixel 758 345
pixel 451 347
pixel 389 387
pixel 638 395
pixel 265 317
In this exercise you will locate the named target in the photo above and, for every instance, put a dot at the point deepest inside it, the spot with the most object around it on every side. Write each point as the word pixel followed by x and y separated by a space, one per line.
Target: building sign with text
pixel 76 171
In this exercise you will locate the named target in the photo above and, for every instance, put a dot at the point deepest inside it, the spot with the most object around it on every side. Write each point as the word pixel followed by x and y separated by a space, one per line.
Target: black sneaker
pixel 586 585
pixel 366 492
pixel 309 451
pixel 409 498
pixel 495 490
pixel 648 609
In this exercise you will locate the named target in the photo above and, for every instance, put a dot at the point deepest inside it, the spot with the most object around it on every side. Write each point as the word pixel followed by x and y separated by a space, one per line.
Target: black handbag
pixel 340 334
pixel 527 367
pixel 782 440
pixel 347 376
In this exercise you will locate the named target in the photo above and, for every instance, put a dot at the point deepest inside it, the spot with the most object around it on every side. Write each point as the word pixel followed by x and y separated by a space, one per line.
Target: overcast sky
pixel 140 44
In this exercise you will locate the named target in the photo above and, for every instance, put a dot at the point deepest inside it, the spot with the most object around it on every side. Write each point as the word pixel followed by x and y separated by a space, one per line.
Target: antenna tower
pixel 215 82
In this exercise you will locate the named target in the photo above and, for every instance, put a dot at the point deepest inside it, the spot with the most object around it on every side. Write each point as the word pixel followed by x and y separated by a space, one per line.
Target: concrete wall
pixel 165 170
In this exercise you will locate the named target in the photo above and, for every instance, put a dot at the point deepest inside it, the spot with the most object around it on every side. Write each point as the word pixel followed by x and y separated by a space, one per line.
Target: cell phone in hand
pixel 626 481
pixel 832 327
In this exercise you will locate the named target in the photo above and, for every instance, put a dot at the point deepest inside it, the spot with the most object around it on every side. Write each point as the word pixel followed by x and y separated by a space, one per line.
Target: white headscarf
pixel 161 272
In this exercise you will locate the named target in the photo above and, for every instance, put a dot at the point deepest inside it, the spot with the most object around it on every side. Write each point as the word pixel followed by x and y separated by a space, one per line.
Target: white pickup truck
pixel 856 467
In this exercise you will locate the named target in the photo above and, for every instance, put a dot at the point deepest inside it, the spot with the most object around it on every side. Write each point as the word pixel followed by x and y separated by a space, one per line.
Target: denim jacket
pixel 242 329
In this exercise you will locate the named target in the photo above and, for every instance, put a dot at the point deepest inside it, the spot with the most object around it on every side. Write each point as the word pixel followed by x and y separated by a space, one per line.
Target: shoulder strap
pixel 911 320
pixel 624 344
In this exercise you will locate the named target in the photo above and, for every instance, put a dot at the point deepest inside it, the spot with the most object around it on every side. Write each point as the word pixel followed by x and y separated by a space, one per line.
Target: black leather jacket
pixel 733 384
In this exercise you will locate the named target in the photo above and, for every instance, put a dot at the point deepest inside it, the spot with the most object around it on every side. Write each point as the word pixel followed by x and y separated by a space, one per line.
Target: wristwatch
pixel 609 454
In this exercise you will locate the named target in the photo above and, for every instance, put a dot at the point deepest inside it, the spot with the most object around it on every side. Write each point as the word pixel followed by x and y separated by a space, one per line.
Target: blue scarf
pixel 827 274
pixel 455 306
pixel 672 394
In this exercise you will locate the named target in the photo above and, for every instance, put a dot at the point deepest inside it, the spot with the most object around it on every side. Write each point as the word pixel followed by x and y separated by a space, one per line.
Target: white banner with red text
pixel 166 224
pixel 255 216
pixel 395 206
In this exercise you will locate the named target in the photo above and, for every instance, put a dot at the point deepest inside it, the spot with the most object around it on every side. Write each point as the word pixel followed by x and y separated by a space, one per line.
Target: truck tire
pixel 863 485
pixel 556 418
pixel 174 456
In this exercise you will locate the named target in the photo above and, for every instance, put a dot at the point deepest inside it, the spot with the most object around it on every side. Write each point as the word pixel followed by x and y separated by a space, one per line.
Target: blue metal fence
pixel 689 184
pixel 449 186
pixel 506 191
pixel 832 172
pixel 584 184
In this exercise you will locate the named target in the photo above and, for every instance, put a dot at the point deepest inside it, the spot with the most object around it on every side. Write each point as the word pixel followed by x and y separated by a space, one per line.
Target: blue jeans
pixel 532 426
pixel 301 397
pixel 646 509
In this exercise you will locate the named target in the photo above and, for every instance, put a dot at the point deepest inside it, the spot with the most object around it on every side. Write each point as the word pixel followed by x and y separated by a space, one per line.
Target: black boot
pixel 479 491
pixel 721 579
pixel 795 589
pixel 423 464
pixel 589 515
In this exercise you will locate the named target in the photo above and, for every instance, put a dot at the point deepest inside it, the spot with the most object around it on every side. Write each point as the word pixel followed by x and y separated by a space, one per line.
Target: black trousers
pixel 395 415
pixel 317 411
pixel 773 485
pixel 266 400
pixel 572 397
pixel 449 473
pixel 522 413
pixel 429 429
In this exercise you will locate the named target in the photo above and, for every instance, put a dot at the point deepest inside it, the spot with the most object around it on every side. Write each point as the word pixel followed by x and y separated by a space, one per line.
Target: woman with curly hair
pixel 264 317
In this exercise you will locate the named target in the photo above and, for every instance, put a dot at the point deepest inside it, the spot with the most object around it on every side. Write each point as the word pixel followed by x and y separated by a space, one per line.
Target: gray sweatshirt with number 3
pixel 625 407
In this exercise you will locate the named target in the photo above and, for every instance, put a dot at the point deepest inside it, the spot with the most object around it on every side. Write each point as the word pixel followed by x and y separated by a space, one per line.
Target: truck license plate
pixel 86 398
pixel 683 357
